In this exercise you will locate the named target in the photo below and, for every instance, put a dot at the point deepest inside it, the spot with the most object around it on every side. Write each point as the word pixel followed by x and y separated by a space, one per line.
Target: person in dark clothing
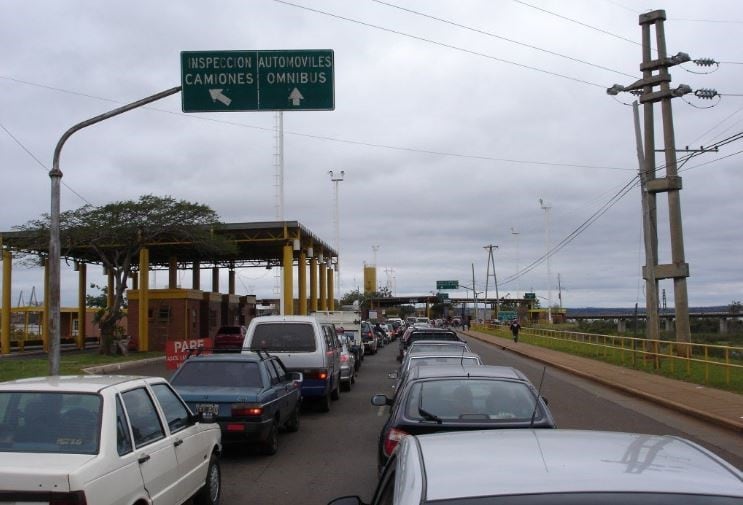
pixel 515 327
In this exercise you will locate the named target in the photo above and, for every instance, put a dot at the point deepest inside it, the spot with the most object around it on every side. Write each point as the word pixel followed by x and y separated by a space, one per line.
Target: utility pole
pixel 546 208
pixel 518 280
pixel 655 73
pixel 491 261
pixel 336 178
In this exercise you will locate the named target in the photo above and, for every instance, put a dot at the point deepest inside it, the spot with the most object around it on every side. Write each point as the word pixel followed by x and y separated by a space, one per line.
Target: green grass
pixel 714 374
pixel 71 364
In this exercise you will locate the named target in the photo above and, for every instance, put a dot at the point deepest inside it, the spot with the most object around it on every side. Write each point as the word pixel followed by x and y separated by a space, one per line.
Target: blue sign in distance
pixel 217 81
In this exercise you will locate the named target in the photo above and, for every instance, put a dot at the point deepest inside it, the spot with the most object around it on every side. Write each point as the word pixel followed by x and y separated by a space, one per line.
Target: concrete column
pixel 287 263
pixel 621 325
pixel 323 300
pixel 302 282
pixel 45 319
pixel 144 299
pixel 215 279
pixel 723 326
pixel 82 285
pixel 331 297
pixel 313 284
pixel 196 275
pixel 5 328
pixel 668 324
pixel 135 280
pixel 231 281
pixel 172 272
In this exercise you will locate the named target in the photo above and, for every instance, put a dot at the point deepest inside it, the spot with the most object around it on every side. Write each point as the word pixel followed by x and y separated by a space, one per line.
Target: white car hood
pixel 39 471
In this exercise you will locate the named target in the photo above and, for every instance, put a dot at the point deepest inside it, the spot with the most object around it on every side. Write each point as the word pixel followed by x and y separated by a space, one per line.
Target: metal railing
pixel 708 364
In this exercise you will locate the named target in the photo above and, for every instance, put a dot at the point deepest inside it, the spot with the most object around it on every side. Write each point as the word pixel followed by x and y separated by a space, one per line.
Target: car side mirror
pixel 380 400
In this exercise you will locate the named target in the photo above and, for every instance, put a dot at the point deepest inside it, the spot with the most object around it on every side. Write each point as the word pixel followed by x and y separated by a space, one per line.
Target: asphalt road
pixel 334 454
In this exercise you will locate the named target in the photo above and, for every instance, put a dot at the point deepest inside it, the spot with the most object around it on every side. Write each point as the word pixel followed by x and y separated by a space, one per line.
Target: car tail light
pixel 232 427
pixel 315 374
pixel 240 410
pixel 73 498
pixel 392 439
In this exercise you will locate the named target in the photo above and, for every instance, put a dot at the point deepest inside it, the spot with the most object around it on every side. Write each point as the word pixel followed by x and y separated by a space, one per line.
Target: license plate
pixel 207 408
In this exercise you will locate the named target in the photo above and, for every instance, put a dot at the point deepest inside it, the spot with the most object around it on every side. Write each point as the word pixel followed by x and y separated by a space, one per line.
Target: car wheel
pixel 212 490
pixel 324 403
pixel 271 444
pixel 336 393
pixel 353 379
pixel 292 424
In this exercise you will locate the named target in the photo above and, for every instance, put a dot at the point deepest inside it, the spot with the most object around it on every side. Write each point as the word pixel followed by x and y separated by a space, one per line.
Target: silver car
pixel 554 467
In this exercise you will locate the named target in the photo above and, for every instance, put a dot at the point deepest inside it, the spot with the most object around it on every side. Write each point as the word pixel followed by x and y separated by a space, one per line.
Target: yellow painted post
pixel 144 299
pixel 81 312
pixel 323 288
pixel 5 328
pixel 288 265
pixel 302 282
pixel 313 284
pixel 331 290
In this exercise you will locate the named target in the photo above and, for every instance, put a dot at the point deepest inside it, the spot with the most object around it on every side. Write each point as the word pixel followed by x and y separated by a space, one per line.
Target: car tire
pixel 353 379
pixel 346 386
pixel 292 424
pixel 335 394
pixel 211 492
pixel 271 445
pixel 324 403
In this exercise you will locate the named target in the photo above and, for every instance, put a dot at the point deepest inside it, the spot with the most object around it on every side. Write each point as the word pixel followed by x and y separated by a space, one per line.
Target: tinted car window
pixel 284 337
pixel 143 417
pixel 218 374
pixel 49 422
pixel 176 413
pixel 472 399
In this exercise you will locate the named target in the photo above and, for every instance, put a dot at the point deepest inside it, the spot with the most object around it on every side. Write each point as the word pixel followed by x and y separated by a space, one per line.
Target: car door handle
pixel 144 458
pixel 178 442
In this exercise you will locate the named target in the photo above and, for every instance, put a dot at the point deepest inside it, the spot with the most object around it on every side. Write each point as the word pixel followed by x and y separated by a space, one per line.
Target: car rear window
pixel 472 400
pixel 284 337
pixel 432 336
pixel 229 330
pixel 50 422
pixel 442 347
pixel 218 374
pixel 442 360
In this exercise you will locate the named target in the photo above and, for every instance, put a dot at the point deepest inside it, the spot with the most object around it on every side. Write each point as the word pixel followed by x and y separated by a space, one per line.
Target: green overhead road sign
pixel 447 284
pixel 217 81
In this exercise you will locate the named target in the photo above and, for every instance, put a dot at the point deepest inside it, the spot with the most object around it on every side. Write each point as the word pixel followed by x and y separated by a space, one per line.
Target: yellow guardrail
pixel 700 363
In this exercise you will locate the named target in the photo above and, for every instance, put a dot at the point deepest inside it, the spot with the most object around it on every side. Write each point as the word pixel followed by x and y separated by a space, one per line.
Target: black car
pixel 412 334
pixel 451 398
pixel 250 394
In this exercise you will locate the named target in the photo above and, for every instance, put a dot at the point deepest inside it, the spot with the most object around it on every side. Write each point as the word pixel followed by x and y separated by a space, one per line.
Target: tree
pixel 117 232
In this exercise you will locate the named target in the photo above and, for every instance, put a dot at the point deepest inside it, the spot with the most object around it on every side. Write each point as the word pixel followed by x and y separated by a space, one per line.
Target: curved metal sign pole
pixel 55 174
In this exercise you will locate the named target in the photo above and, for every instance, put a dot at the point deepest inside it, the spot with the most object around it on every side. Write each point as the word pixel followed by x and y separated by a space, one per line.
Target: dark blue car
pixel 251 395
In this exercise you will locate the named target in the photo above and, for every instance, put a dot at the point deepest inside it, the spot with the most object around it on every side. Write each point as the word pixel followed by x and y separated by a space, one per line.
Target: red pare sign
pixel 176 351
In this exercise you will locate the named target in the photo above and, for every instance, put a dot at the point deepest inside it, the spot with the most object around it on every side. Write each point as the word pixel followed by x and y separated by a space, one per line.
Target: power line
pixel 442 44
pixel 494 35
pixel 334 139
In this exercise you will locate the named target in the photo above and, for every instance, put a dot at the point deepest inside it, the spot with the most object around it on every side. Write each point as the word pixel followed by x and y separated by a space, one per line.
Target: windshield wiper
pixel 424 413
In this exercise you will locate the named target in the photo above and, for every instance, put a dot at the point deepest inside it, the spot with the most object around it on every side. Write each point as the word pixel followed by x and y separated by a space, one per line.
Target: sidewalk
pixel 713 405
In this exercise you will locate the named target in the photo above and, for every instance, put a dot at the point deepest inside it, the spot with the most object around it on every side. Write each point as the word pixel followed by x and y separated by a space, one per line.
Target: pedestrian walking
pixel 515 327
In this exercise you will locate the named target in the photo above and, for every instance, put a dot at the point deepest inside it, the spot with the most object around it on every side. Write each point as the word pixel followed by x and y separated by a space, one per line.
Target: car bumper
pixel 245 431
pixel 315 388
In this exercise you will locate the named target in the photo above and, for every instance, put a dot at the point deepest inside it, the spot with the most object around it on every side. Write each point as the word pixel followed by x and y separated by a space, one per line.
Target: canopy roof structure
pixel 256 244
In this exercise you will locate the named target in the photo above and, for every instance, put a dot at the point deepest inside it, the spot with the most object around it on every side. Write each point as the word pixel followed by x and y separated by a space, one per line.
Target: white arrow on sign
pixel 216 94
pixel 295 96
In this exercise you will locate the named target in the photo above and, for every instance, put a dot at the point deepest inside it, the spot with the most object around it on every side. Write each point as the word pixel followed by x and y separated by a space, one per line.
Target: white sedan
pixel 95 440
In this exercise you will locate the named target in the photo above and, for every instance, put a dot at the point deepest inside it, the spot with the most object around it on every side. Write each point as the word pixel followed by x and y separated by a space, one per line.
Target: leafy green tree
pixel 117 232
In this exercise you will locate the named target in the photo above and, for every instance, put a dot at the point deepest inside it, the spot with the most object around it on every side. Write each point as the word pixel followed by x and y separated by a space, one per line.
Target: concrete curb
pixel 115 367
pixel 705 416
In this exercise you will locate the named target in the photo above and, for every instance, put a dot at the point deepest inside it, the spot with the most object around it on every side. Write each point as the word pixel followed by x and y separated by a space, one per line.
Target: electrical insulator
pixel 705 93
pixel 705 62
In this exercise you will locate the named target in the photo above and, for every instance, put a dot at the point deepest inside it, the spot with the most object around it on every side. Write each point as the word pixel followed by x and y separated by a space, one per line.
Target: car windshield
pixel 218 374
pixel 49 422
pixel 284 337
pixel 442 347
pixel 490 400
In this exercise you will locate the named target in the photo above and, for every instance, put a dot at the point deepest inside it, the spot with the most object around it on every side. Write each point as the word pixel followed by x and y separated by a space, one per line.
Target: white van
pixel 305 345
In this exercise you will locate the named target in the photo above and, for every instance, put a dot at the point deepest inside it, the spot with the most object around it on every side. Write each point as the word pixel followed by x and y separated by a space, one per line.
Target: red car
pixel 229 338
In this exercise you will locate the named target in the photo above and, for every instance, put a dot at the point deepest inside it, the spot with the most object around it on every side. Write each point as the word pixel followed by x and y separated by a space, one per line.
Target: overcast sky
pixel 452 120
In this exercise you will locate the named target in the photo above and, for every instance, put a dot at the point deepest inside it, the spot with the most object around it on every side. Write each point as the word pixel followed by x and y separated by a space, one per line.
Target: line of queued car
pixel 460 432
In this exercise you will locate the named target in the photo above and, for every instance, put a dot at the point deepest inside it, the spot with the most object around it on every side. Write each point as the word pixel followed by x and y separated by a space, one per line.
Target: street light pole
pixel 337 221
pixel 546 208
pixel 518 281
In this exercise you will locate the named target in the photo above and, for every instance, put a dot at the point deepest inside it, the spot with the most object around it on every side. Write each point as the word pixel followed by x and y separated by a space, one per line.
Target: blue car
pixel 251 395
